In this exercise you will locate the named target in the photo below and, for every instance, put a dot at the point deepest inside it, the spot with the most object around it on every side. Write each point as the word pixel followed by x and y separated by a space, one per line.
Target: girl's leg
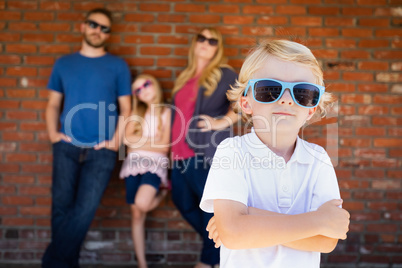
pixel 145 200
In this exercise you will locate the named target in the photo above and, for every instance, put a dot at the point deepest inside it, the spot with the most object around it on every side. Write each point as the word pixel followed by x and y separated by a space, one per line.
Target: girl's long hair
pixel 212 74
pixel 140 107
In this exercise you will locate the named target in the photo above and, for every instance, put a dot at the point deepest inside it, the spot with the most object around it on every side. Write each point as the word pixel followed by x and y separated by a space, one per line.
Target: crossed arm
pixel 239 227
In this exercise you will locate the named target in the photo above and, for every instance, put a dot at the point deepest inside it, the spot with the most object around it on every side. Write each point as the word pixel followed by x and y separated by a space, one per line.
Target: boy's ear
pixel 82 27
pixel 245 105
pixel 311 112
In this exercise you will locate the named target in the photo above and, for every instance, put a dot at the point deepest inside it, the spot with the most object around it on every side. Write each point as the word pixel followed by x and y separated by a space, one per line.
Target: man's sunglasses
pixel 138 90
pixel 93 25
pixel 211 41
pixel 305 94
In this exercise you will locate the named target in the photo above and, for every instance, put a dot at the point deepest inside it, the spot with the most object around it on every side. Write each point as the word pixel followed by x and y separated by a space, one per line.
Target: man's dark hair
pixel 100 10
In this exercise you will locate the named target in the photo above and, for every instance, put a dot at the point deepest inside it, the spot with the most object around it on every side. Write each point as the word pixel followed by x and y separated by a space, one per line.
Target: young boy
pixel 275 196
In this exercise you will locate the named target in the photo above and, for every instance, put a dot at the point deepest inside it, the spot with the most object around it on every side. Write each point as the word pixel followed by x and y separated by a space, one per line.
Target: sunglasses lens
pixel 92 24
pixel 105 29
pixel 213 41
pixel 267 91
pixel 147 84
pixel 306 95
pixel 201 38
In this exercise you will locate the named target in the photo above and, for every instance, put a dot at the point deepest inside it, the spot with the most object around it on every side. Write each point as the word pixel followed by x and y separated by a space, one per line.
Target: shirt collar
pixel 303 153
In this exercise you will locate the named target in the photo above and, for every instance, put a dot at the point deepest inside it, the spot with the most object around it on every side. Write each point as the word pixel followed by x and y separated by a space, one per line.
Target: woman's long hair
pixel 140 107
pixel 212 74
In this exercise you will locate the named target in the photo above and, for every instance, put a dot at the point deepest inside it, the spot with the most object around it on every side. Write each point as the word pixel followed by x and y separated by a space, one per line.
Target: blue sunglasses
pixel 305 94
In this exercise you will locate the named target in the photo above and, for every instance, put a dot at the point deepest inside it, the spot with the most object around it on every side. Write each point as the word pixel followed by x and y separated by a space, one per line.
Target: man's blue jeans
pixel 80 177
pixel 188 181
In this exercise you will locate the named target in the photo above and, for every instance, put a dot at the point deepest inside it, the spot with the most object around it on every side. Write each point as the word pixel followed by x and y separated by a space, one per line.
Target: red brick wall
pixel 357 41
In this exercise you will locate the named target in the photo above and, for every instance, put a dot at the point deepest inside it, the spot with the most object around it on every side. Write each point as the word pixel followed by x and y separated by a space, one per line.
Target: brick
pixel 387 99
pixel 173 40
pixel 8 211
pixel 123 50
pixel 154 7
pixel 205 19
pixel 358 11
pixel 10 59
pixel 139 18
pixel 22 26
pixel 290 31
pixel 21 115
pixel 369 174
pixel 50 5
pixel 258 31
pixel 356 98
pixel 373 110
pixel 374 22
pixel 232 9
pixel 388 55
pixel 238 19
pixel 258 9
pixel 387 142
pixel 54 49
pixel 37 37
pixel 22 5
pixel 10 37
pixel 355 142
pixel 370 131
pixel 371 65
pixel 383 121
pixel 22 71
pixel 155 50
pixel 10 15
pixel 139 39
pixel 187 29
pixel 189 8
pixel 18 179
pixel 21 48
pixel 272 20
pixel 17 222
pixel 11 168
pixel 140 62
pixel 373 43
pixel 389 77
pixel 17 200
pixel 372 88
pixel 388 33
pixel 38 16
pixel 307 21
pixel 54 27
pixel 340 43
pixel 323 11
pixel 39 60
pixel 33 126
pixel 171 18
pixel 69 38
pixel 358 76
pixel 171 62
pixel 381 228
pixel 35 211
pixel 341 87
pixel 335 21
pixel 17 136
pixel 8 104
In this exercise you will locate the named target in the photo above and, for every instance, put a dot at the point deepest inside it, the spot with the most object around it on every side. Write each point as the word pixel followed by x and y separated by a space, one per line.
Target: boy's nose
pixel 286 98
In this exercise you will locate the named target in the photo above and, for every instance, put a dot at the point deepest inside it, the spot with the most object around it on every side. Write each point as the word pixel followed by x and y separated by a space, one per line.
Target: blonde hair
pixel 212 74
pixel 284 50
pixel 140 107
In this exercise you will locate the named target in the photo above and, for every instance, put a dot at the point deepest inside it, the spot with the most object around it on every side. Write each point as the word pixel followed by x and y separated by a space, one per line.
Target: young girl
pixel 275 197
pixel 145 168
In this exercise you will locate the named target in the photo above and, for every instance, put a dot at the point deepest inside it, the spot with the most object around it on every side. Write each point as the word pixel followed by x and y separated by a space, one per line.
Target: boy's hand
pixel 213 232
pixel 335 220
pixel 58 136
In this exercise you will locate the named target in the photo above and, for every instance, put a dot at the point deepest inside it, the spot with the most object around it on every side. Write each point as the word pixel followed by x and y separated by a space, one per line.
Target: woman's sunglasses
pixel 138 90
pixel 93 25
pixel 305 94
pixel 211 41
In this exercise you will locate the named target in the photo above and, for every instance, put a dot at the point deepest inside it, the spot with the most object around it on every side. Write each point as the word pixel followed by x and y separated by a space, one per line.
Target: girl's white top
pixel 247 171
pixel 141 161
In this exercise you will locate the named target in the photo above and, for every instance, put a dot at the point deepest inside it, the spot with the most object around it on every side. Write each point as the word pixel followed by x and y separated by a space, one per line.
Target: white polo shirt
pixel 246 170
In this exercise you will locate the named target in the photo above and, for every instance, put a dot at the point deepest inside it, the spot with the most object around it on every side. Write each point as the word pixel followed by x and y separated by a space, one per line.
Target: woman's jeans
pixel 80 176
pixel 188 181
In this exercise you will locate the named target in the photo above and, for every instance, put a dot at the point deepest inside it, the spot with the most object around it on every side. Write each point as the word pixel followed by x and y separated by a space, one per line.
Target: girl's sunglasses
pixel 305 94
pixel 137 91
pixel 93 25
pixel 211 41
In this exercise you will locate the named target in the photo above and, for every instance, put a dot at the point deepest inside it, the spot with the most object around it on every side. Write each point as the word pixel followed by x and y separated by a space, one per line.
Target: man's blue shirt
pixel 91 87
